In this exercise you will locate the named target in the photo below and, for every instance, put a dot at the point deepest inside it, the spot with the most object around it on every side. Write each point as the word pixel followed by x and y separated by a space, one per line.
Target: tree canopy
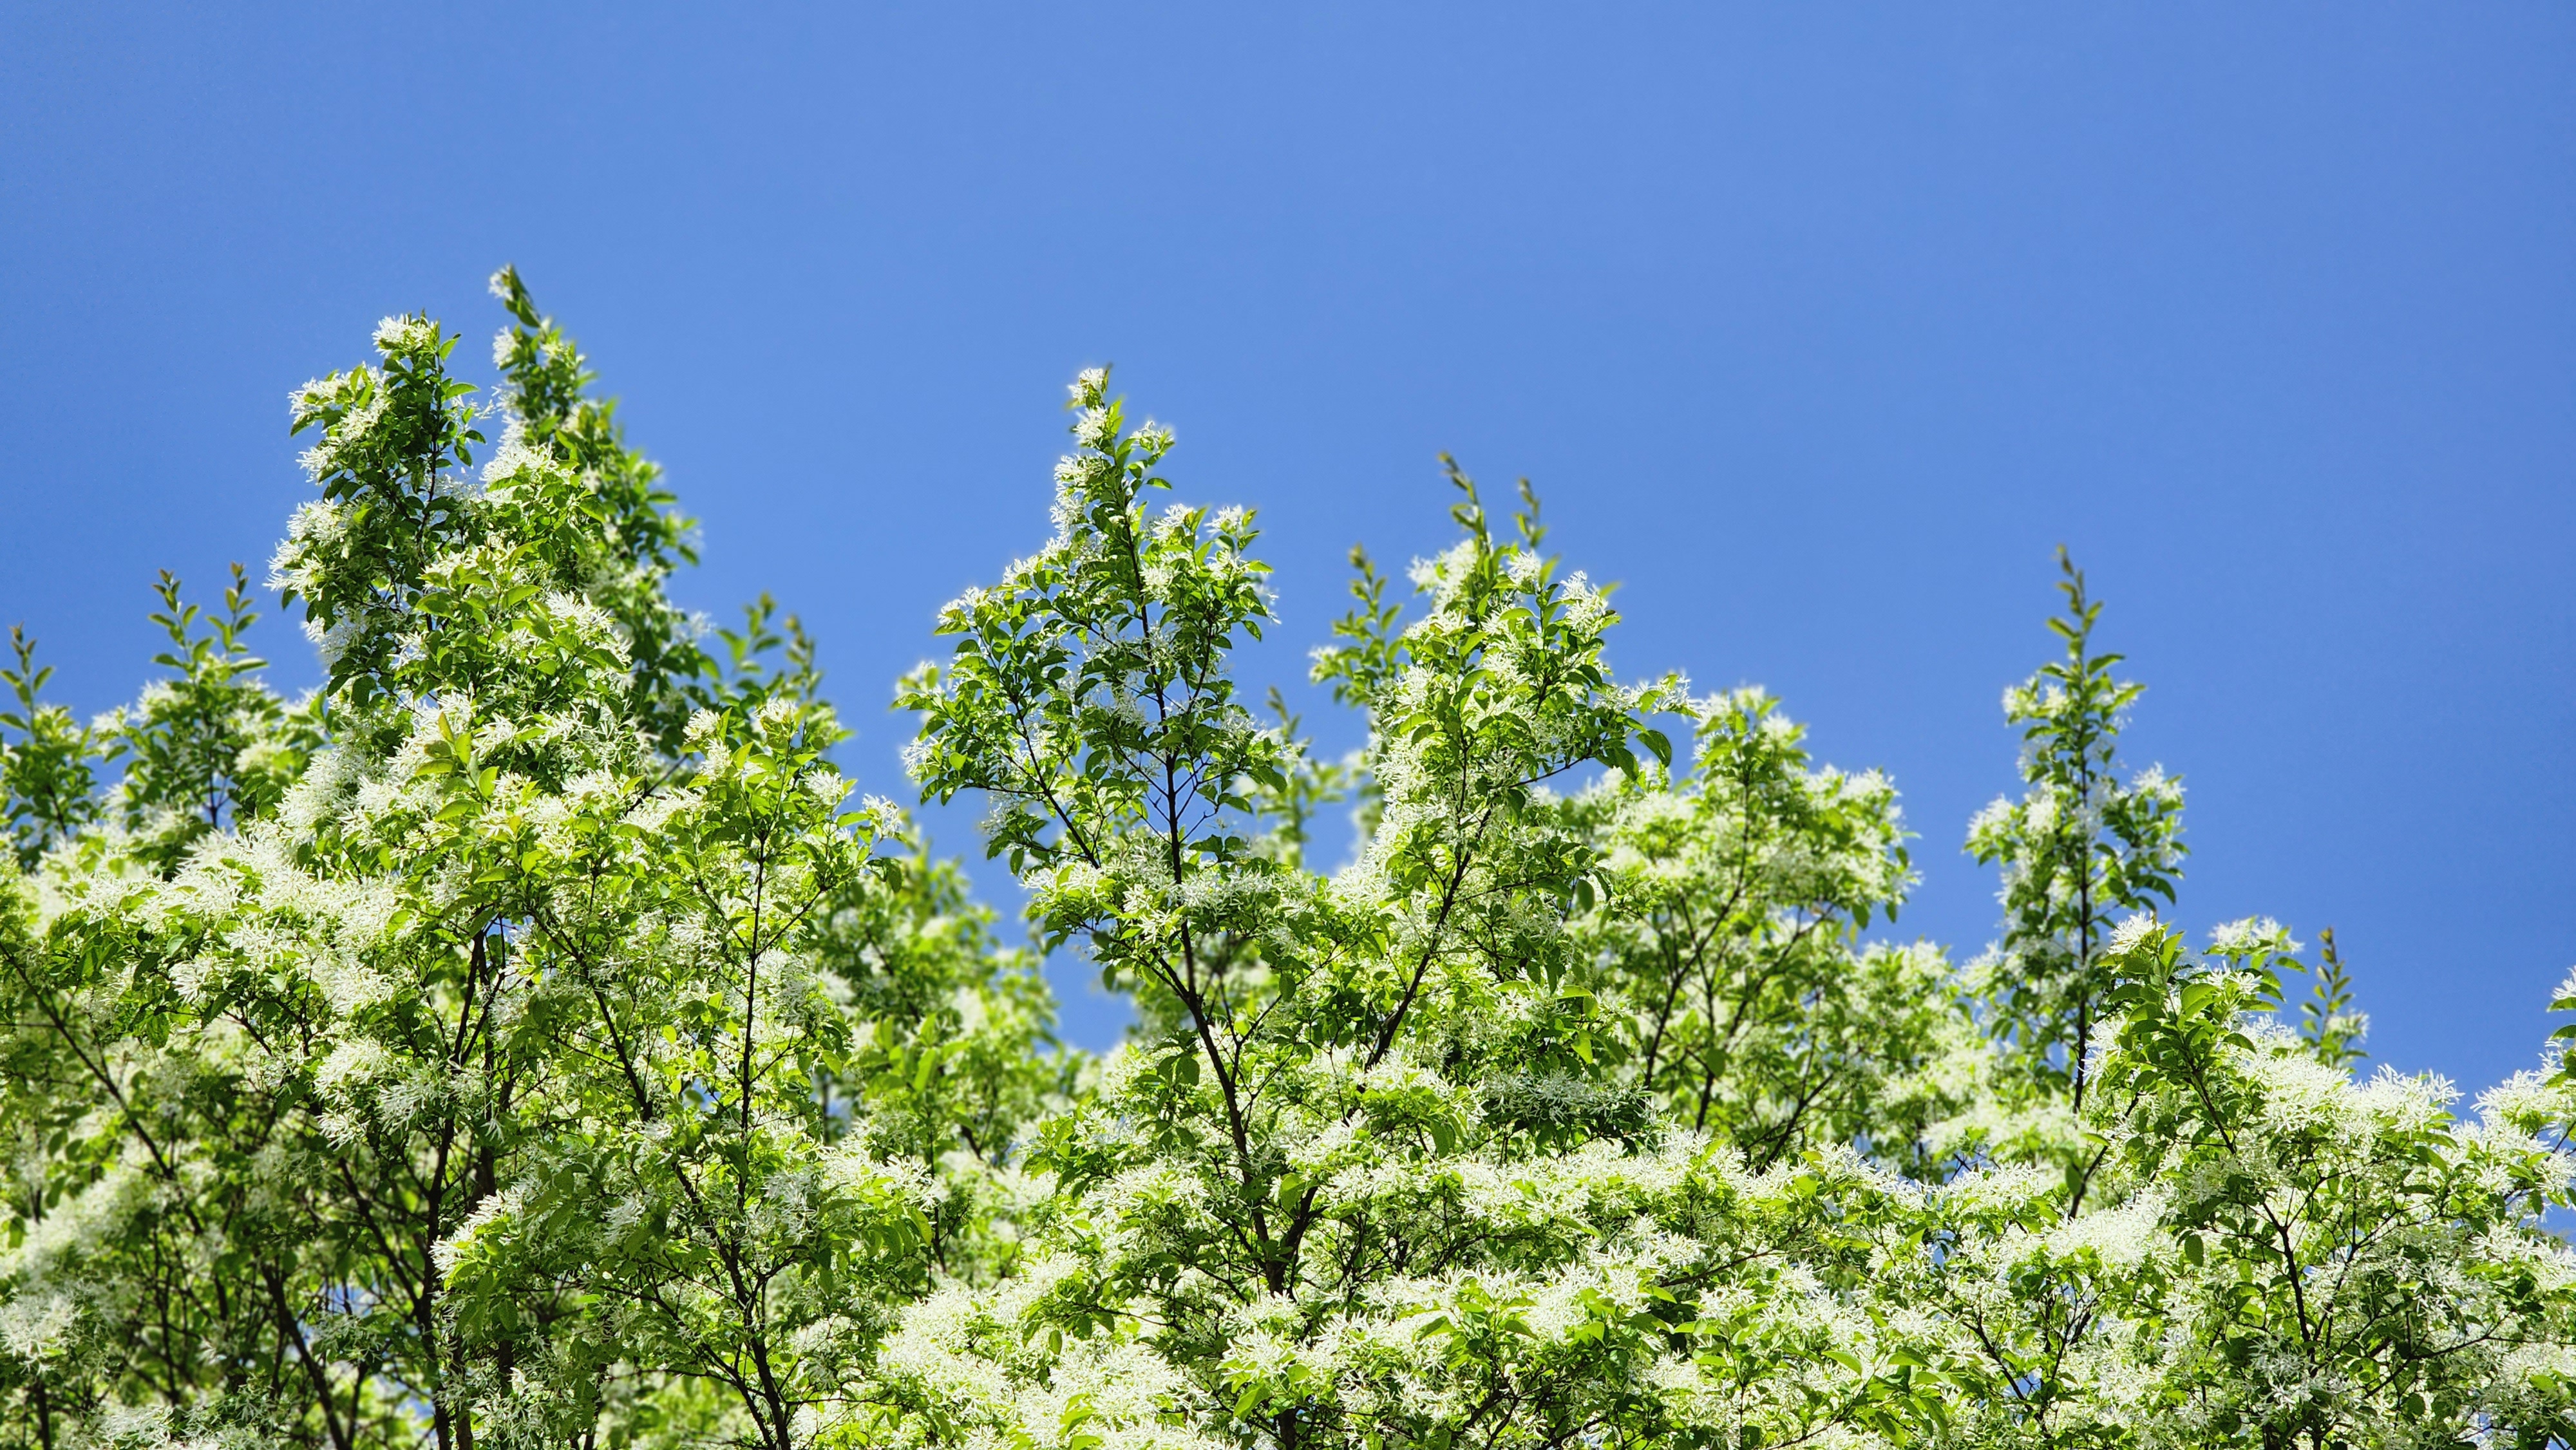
pixel 526 1038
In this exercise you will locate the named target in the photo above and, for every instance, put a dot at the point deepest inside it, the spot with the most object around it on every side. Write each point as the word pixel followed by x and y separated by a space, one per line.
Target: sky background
pixel 1817 326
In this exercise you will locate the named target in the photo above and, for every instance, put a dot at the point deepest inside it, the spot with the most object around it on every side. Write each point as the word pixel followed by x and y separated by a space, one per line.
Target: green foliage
pixel 2080 849
pixel 525 1040
pixel 496 1044
pixel 1730 937
pixel 2328 1020
pixel 612 532
pixel 46 767
pixel 212 746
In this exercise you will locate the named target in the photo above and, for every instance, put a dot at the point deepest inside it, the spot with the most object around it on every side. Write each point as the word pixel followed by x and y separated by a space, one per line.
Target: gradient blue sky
pixel 1817 325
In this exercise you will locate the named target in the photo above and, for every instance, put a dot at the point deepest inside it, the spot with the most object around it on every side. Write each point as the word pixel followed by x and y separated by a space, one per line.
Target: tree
pixel 525 1040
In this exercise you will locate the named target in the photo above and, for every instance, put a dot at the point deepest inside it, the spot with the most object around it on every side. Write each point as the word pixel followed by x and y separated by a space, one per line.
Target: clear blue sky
pixel 1818 326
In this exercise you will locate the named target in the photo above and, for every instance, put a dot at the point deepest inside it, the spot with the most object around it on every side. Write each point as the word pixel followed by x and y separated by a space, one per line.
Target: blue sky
pixel 1817 326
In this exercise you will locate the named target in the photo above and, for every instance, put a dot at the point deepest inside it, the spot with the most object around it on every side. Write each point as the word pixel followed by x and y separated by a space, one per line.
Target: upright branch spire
pixel 2081 849
pixel 48 786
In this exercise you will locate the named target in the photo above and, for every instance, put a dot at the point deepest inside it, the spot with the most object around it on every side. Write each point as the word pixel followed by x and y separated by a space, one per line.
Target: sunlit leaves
pixel 531 1039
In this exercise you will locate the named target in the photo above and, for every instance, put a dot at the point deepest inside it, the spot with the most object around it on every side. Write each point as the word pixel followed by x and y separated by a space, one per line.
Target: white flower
pixel 351 1066
pixel 315 393
pixel 703 727
pixel 402 334
pixel 334 641
pixel 1091 428
pixel 776 714
pixel 2129 933
pixel 2252 934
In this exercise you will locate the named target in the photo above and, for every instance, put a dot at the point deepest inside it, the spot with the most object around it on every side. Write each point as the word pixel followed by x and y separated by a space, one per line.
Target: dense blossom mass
pixel 525 1038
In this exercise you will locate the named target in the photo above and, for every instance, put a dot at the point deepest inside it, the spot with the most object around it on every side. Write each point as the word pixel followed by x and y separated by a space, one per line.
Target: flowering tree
pixel 524 1040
